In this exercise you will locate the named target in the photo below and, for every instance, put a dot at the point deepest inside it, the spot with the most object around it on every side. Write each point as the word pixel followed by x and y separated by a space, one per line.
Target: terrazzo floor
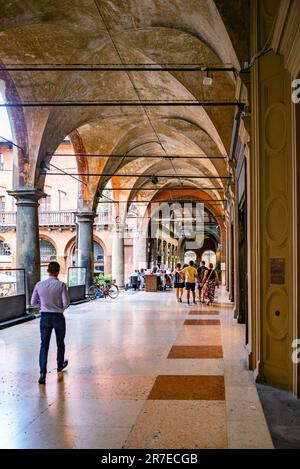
pixel 144 372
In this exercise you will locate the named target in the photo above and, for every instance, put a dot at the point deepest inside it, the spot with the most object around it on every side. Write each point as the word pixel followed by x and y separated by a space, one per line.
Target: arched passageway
pixel 176 124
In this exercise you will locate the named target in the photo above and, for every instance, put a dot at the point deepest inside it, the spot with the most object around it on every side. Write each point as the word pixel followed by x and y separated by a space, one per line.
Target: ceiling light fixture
pixel 207 79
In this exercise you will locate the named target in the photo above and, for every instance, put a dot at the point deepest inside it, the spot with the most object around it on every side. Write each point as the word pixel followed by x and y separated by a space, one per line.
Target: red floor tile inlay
pixel 202 322
pixel 196 351
pixel 186 387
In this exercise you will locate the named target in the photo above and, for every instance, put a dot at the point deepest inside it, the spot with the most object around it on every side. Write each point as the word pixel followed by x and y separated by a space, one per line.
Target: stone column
pixel 173 260
pixel 154 248
pixel 27 232
pixel 231 260
pixel 139 251
pixel 227 254
pixel 159 251
pixel 118 258
pixel 181 253
pixel 236 263
pixel 85 253
pixel 223 255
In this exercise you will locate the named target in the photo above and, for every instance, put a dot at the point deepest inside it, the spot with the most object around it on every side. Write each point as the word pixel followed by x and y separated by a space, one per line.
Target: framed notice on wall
pixel 277 271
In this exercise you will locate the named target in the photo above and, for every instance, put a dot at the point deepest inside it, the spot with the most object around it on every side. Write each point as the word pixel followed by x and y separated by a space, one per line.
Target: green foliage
pixel 102 277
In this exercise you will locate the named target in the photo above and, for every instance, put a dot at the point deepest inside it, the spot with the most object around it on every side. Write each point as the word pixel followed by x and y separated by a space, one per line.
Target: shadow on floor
pixel 282 412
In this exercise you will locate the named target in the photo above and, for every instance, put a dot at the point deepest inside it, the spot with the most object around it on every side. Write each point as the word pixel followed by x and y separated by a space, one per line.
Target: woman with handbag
pixel 210 280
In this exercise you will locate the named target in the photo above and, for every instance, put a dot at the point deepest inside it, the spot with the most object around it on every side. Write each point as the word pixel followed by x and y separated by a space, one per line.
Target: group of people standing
pixel 187 278
pixel 140 278
pixel 207 279
pixel 164 276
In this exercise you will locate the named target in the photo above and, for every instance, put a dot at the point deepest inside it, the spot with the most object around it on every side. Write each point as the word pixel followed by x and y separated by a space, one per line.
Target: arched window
pixel 209 256
pixel 47 251
pixel 189 256
pixel 72 262
pixel 98 258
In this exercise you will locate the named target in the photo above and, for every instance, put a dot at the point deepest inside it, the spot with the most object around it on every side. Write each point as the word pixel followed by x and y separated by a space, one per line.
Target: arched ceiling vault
pixel 171 194
pixel 145 190
pixel 142 31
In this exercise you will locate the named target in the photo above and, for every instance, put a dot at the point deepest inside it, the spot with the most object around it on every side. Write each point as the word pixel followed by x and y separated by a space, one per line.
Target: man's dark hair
pixel 53 268
pixel 191 263
pixel 178 265
pixel 203 262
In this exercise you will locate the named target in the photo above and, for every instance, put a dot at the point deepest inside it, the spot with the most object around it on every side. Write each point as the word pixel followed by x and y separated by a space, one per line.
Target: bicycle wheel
pixel 92 292
pixel 113 291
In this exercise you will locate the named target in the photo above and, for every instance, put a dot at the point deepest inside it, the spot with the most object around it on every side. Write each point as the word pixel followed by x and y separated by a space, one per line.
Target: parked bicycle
pixel 103 291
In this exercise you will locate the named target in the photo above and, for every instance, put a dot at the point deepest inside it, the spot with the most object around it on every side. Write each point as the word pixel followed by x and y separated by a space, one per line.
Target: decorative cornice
pixel 286 37
pixel 26 195
pixel 85 217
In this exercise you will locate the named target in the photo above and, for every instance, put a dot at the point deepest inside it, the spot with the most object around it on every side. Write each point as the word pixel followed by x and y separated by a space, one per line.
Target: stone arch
pixel 69 246
pixel 101 243
pixel 18 129
pixel 50 240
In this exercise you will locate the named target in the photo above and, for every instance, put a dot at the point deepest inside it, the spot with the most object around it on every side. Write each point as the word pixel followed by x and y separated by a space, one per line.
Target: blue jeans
pixel 48 322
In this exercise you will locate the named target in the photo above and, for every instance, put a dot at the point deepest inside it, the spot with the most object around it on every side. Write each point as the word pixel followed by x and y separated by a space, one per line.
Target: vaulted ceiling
pixel 122 32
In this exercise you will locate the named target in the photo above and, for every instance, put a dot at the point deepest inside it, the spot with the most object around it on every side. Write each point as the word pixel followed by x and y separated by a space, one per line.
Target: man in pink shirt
pixel 52 298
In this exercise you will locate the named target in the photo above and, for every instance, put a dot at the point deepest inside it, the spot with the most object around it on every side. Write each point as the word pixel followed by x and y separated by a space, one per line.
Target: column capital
pixel 27 196
pixel 86 217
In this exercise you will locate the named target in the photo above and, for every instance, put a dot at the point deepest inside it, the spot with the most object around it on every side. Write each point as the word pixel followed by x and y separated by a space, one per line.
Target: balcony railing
pixel 59 218
pixel 7 218
pixel 54 218
pixel 103 218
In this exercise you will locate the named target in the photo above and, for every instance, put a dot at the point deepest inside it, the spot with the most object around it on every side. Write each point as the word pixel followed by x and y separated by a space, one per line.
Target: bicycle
pixel 103 291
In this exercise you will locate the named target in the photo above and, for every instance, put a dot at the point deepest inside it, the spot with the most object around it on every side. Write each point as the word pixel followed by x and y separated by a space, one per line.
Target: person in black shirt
pixel 178 282
pixel 201 272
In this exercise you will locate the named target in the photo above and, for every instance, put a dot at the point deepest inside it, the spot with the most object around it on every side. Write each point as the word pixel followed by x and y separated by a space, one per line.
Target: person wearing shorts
pixel 178 282
pixel 191 275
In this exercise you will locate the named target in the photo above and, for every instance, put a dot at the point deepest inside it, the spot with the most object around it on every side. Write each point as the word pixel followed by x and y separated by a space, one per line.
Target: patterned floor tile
pixel 202 322
pixel 188 388
pixel 201 351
